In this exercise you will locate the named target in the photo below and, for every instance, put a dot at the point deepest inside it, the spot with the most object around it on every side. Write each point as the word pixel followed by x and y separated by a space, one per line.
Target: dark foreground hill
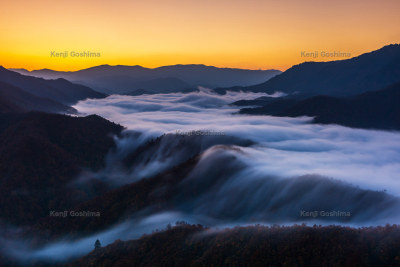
pixel 378 109
pixel 8 106
pixel 40 154
pixel 367 72
pixel 194 245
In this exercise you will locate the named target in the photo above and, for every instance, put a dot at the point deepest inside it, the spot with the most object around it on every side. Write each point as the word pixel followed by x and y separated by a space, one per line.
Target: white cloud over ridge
pixel 286 146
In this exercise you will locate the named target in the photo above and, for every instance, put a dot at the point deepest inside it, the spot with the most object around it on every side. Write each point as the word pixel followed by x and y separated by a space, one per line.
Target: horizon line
pixel 119 65
pixel 259 69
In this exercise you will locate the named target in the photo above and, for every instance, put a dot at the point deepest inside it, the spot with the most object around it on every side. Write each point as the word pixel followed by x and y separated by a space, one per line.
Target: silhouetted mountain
pixel 264 100
pixel 126 84
pixel 161 85
pixel 98 89
pixel 367 72
pixel 379 109
pixel 260 101
pixel 59 90
pixel 270 105
pixel 22 71
pixel 121 78
pixel 144 92
pixel 272 108
pixel 40 154
pixel 24 101
pixel 139 92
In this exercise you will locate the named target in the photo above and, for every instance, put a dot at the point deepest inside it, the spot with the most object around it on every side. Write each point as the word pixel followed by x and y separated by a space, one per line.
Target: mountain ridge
pixel 367 72
pixel 370 110
pixel 24 101
pixel 192 74
pixel 60 90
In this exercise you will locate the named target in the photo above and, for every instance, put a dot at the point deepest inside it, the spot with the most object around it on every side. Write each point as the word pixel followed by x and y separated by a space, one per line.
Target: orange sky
pixel 249 34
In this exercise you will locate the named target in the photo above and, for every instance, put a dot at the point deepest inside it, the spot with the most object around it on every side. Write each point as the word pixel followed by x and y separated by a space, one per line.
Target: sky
pixel 251 34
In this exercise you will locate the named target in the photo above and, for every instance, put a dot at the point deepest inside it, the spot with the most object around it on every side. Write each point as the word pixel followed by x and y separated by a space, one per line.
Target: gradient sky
pixel 249 34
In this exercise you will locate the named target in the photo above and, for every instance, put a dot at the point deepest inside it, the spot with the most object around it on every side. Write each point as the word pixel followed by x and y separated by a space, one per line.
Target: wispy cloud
pixel 291 166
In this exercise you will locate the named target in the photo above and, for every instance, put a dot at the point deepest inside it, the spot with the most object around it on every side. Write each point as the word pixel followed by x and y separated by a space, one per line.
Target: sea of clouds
pixel 263 170
pixel 285 147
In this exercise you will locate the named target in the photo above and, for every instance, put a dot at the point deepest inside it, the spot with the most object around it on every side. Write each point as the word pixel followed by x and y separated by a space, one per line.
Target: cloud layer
pixel 263 170
pixel 286 146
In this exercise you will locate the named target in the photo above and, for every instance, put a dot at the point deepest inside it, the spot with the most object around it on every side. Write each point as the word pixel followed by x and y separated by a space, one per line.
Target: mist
pixel 262 169
pixel 283 147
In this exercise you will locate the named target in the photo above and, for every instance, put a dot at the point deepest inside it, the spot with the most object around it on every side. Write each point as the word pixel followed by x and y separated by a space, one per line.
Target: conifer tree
pixel 97 244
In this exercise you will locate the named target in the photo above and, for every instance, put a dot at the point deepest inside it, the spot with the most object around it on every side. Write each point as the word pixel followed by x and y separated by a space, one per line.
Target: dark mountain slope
pixel 59 90
pixel 194 245
pixel 116 205
pixel 24 101
pixel 74 91
pixel 40 154
pixel 7 106
pixel 379 109
pixel 367 72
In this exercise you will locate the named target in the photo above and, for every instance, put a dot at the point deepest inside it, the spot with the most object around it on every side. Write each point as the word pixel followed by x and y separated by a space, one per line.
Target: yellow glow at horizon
pixel 244 34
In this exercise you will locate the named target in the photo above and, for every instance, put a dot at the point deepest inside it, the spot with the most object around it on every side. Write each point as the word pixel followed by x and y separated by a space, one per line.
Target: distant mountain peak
pixel 367 72
pixel 123 78
pixel 21 69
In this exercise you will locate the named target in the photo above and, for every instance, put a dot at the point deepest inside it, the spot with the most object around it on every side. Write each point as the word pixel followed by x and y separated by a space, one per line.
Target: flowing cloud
pixel 263 170
pixel 285 147
pixel 243 190
pixel 64 250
